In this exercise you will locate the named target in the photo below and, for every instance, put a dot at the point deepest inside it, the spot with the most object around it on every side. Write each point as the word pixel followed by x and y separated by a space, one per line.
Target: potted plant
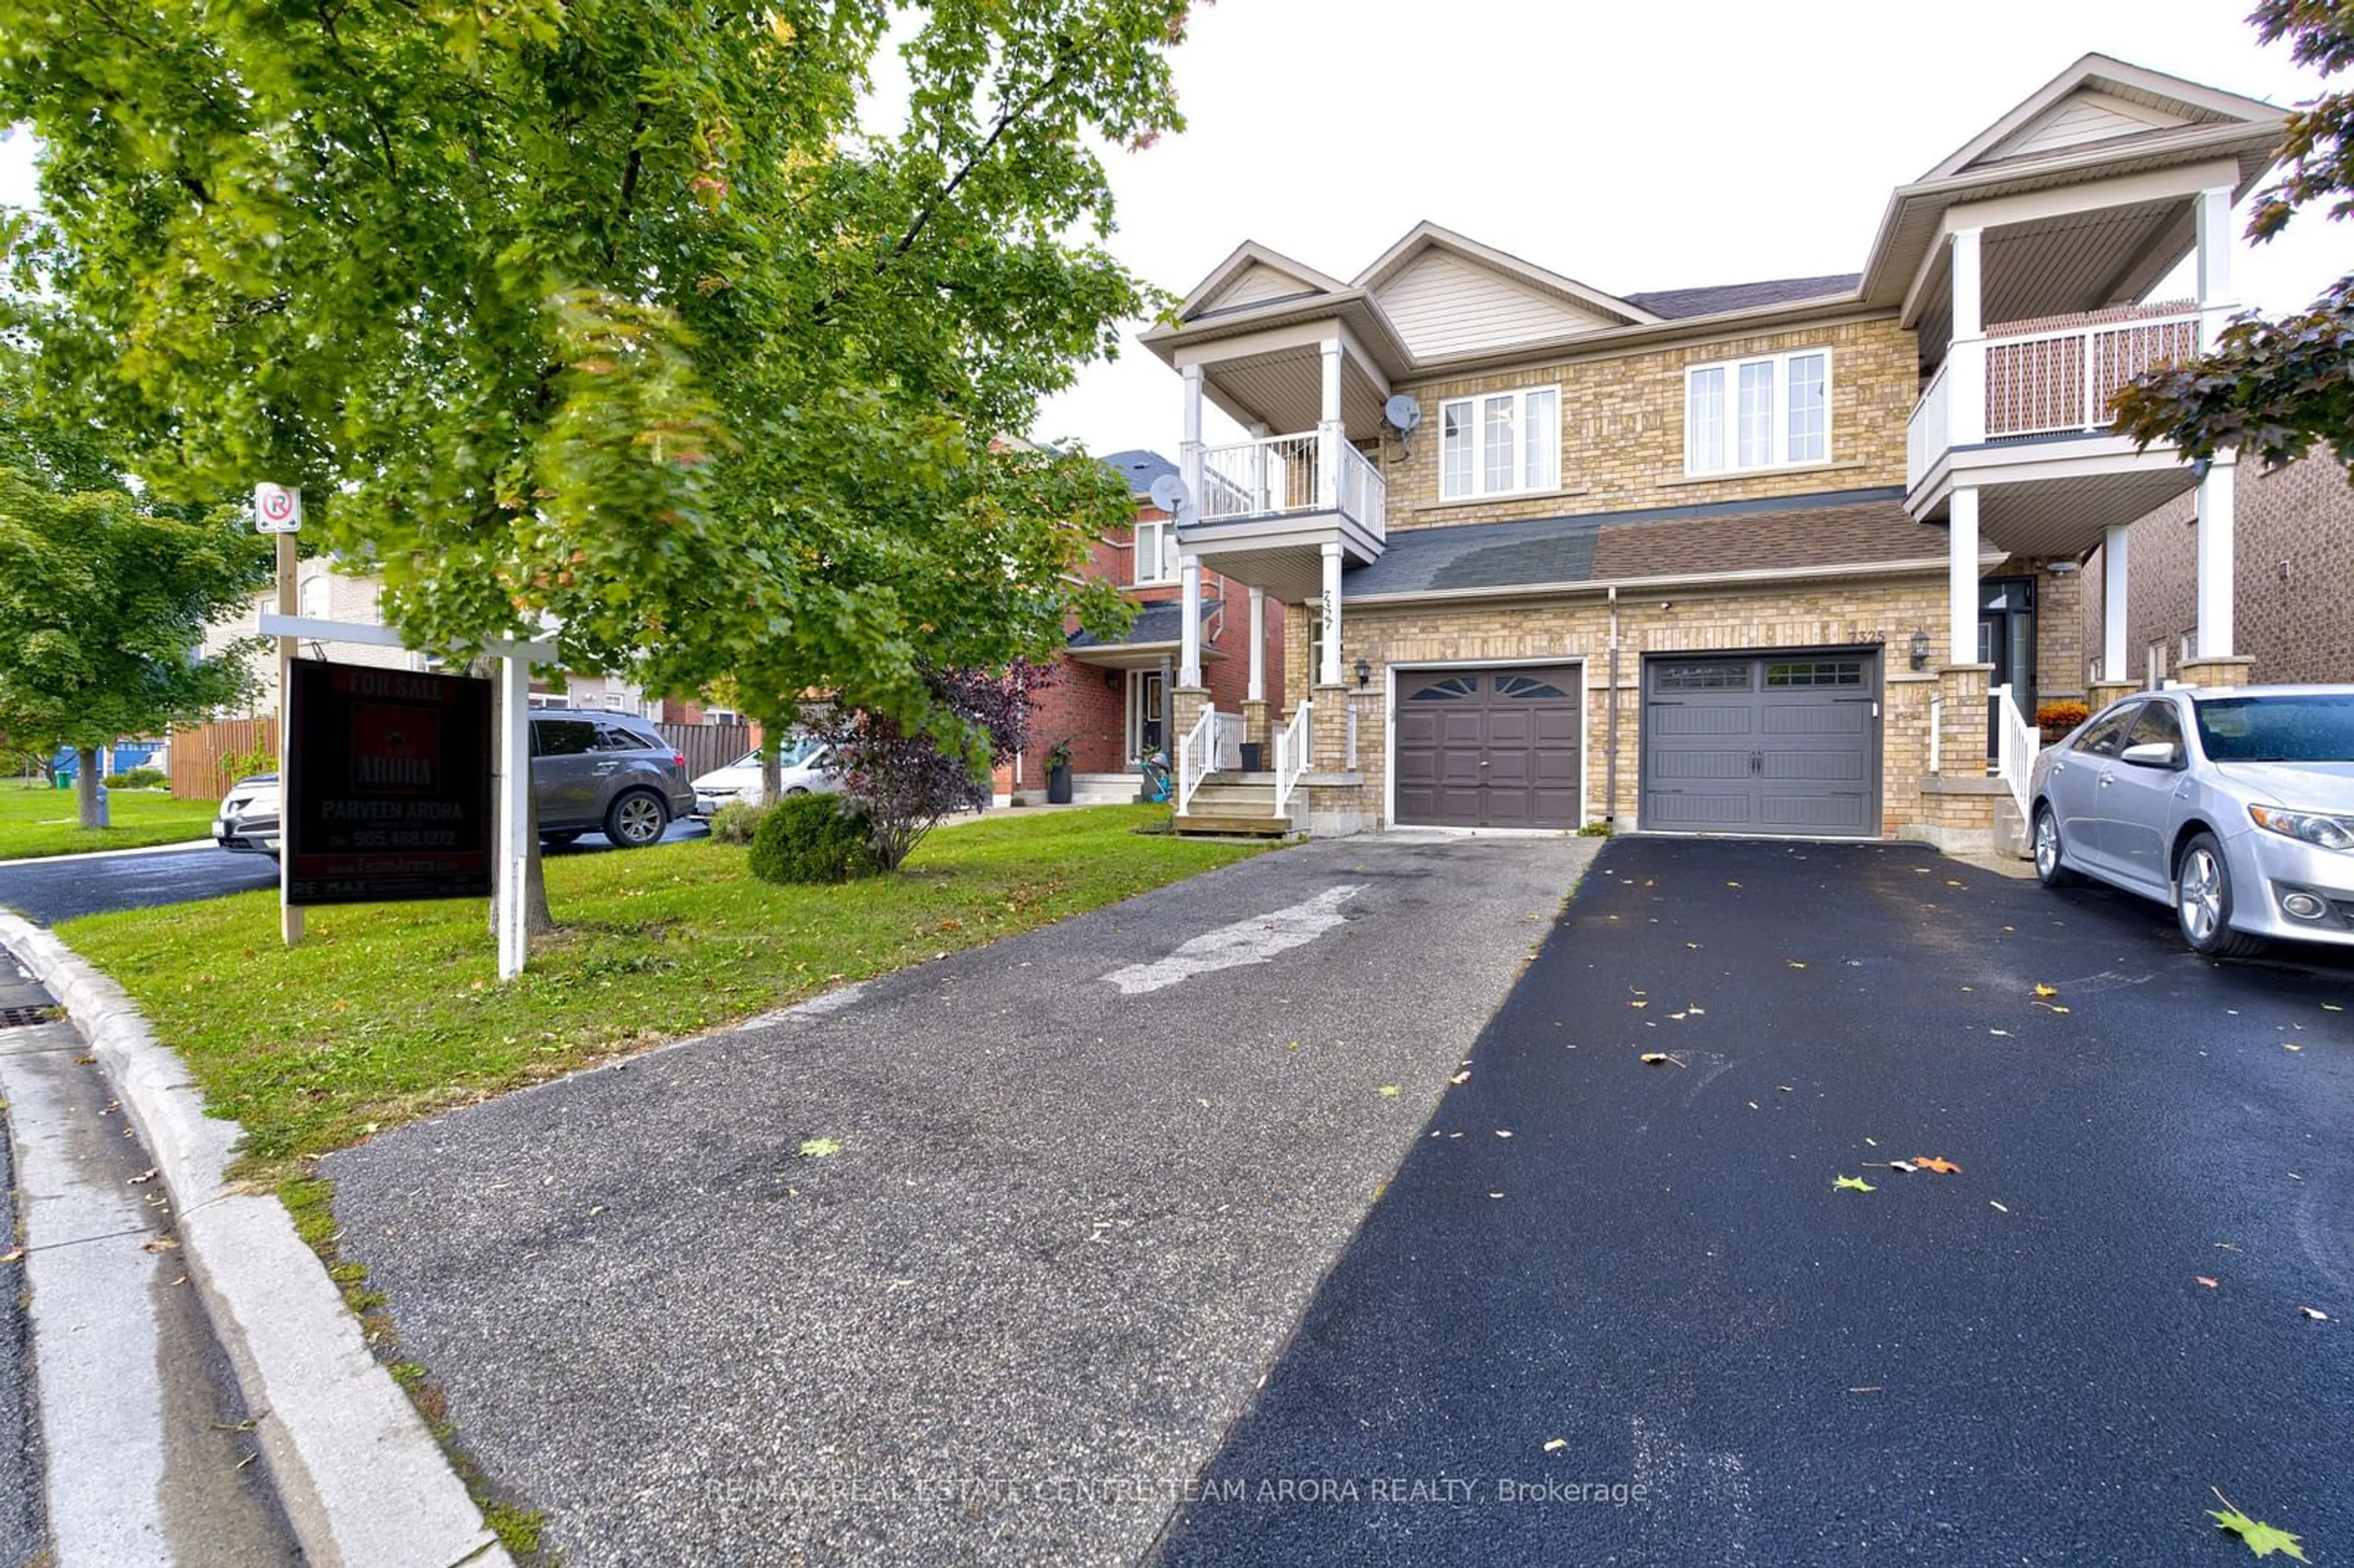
pixel 1059 773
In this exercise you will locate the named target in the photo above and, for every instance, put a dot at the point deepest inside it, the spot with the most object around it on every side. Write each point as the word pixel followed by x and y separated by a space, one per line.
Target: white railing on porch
pixel 1291 758
pixel 2042 382
pixel 1925 432
pixel 1272 475
pixel 1197 755
pixel 2016 742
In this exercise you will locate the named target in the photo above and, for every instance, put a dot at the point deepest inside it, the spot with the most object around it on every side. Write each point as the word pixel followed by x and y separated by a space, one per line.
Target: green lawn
pixel 41 821
pixel 389 1012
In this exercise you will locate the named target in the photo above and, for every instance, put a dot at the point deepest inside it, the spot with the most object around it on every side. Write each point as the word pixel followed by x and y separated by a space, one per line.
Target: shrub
pixel 812 837
pixel 138 779
pixel 1597 828
pixel 2056 719
pixel 736 821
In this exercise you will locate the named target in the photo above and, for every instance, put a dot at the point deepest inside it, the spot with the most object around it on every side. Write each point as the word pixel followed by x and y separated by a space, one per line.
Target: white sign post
pixel 278 509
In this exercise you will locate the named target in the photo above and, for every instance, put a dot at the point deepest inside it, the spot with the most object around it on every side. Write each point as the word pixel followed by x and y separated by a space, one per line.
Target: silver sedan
pixel 2236 805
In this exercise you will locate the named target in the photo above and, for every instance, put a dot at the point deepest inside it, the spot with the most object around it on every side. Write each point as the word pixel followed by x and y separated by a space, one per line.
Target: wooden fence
pixel 209 757
pixel 204 758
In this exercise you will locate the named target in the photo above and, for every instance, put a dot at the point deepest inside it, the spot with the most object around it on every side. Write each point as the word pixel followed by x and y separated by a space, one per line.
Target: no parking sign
pixel 277 509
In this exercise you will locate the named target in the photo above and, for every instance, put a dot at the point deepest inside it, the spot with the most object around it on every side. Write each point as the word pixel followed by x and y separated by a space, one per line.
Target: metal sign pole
pixel 290 916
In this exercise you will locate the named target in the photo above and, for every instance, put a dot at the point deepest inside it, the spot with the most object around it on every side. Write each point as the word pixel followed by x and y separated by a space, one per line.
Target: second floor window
pixel 1500 444
pixel 1771 412
pixel 1156 553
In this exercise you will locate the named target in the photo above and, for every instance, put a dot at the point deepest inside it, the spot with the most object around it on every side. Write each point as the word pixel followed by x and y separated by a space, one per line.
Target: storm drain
pixel 26 1017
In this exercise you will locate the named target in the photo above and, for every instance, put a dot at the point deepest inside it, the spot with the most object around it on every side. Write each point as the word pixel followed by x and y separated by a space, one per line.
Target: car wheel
pixel 2049 869
pixel 796 790
pixel 557 840
pixel 636 820
pixel 2202 901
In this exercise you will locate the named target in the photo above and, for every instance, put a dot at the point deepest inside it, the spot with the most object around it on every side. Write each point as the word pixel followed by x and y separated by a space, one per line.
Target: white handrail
pixel 1291 758
pixel 1197 757
pixel 2016 743
pixel 1272 475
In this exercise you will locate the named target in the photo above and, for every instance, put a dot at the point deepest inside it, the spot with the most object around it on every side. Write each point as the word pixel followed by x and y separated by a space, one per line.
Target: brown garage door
pixel 1784 744
pixel 1489 749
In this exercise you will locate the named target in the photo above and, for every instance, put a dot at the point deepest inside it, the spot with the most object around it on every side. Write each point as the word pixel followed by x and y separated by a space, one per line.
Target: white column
pixel 1189 447
pixel 1331 674
pixel 514 809
pixel 1189 663
pixel 1962 577
pixel 1256 691
pixel 2114 580
pixel 1966 357
pixel 2215 239
pixel 1329 435
pixel 2215 531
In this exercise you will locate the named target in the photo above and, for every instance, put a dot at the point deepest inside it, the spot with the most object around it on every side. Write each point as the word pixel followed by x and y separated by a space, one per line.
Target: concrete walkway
pixel 974 1264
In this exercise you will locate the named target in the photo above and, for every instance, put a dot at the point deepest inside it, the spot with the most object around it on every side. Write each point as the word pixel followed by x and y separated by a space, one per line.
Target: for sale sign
pixel 387 787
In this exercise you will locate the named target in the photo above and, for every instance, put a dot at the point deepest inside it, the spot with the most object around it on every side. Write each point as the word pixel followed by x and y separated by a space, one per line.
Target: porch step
pixel 1105 789
pixel 1217 794
pixel 2011 833
pixel 1233 824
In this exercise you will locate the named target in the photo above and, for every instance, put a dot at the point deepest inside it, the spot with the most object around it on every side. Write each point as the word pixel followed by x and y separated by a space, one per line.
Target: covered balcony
pixel 1265 507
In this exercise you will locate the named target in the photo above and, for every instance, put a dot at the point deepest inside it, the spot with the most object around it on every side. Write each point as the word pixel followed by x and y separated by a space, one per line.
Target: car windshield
pixel 799 749
pixel 2282 728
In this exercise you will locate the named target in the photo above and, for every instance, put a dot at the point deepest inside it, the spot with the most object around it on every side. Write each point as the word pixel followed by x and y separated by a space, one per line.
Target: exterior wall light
pixel 1919 650
pixel 1364 672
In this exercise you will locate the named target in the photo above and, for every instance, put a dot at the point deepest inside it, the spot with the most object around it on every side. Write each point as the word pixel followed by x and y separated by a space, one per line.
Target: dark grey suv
pixel 609 773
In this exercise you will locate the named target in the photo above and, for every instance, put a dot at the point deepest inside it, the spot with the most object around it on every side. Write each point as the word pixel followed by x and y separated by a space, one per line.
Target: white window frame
pixel 1728 455
pixel 1165 555
pixel 1521 485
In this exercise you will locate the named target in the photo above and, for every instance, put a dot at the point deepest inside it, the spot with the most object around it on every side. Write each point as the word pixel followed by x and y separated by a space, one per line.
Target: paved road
pixel 1086 1180
pixel 1652 1283
pixel 55 891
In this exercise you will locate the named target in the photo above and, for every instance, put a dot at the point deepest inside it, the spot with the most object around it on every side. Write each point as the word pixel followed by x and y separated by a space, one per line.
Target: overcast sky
pixel 1631 147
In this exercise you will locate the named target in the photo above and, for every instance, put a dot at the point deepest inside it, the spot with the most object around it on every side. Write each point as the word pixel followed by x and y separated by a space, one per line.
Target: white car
pixel 805 768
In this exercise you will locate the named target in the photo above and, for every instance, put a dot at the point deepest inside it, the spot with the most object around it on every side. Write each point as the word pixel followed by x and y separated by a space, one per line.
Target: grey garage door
pixel 1489 749
pixel 1782 743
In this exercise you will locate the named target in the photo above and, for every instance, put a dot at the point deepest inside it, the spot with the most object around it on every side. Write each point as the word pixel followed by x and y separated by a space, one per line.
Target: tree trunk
pixel 772 772
pixel 86 787
pixel 536 921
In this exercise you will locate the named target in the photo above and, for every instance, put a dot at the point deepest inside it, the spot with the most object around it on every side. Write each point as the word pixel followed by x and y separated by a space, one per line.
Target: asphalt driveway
pixel 1618 1313
pixel 974 1264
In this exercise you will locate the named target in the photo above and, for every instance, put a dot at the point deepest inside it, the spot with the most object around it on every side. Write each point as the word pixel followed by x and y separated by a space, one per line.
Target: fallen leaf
pixel 1503 1132
pixel 2209 1280
pixel 2004 1033
pixel 1387 1091
pixel 1495 1194
pixel 2263 1540
pixel 1951 882
pixel 820 1148
pixel 15 1255
pixel 2325 1007
pixel 2047 990
pixel 1557 1446
pixel 1733 884
pixel 2315 1313
pixel 1796 965
pixel 144 1177
pixel 1658 1059
pixel 1992 1204
pixel 158 1243
pixel 2290 1045
pixel 1461 1078
pixel 1697 1012
pixel 1695 947
pixel 1852 1184
pixel 1785 1088
pixel 1942 1166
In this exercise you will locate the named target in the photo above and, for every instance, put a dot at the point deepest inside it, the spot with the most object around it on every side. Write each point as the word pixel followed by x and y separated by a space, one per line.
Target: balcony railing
pixel 1273 475
pixel 2043 382
pixel 2040 383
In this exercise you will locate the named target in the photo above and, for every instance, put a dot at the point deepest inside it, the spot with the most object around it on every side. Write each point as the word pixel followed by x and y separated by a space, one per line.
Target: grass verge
pixel 389 1012
pixel 41 821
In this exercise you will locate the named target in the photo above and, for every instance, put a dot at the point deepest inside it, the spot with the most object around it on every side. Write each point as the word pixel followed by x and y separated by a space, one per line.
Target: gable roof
pixel 1426 236
pixel 1254 275
pixel 1139 466
pixel 2097 99
pixel 1677 304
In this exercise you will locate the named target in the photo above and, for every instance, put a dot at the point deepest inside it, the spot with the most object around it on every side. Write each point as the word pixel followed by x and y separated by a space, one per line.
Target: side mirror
pixel 2152 753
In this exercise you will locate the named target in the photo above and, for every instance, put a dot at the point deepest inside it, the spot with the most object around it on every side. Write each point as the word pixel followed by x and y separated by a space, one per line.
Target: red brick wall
pixel 2293 568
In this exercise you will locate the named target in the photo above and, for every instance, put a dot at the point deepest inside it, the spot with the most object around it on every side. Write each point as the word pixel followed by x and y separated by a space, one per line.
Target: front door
pixel 1144 696
pixel 2007 641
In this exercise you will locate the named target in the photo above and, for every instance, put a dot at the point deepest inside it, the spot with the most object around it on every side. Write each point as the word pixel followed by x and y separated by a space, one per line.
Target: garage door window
pixel 1817 673
pixel 1720 677
pixel 1455 688
pixel 1526 690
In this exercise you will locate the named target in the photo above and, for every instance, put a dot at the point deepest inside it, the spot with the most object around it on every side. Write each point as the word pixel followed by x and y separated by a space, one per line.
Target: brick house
pixel 2292 561
pixel 1794 557
pixel 1113 699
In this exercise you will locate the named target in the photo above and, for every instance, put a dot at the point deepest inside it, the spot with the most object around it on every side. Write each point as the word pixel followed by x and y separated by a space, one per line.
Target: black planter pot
pixel 1058 786
pixel 1251 760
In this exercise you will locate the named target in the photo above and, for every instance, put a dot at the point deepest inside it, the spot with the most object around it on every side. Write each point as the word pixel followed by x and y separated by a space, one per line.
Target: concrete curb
pixel 362 1480
pixel 182 847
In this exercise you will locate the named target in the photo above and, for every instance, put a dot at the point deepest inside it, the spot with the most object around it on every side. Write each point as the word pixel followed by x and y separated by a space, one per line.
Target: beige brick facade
pixel 1622 443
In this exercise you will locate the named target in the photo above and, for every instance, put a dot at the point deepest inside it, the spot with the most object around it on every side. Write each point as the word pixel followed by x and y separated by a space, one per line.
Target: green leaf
pixel 1852 1184
pixel 820 1148
pixel 2261 1539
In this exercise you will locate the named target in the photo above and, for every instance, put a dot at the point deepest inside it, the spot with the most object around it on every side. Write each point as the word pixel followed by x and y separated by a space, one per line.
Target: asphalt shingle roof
pixel 1162 620
pixel 1677 304
pixel 1141 466
pixel 1855 527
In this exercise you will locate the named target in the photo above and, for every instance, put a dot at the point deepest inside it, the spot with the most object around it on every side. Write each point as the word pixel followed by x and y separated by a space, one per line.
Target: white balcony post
pixel 1189 664
pixel 1966 381
pixel 1261 500
pixel 2114 578
pixel 1189 449
pixel 1331 674
pixel 2215 302
pixel 1962 577
pixel 1330 436
pixel 1256 691
pixel 2215 531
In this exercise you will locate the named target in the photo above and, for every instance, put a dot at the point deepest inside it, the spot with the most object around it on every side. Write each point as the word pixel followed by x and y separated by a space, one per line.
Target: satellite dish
pixel 1168 493
pixel 1404 414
